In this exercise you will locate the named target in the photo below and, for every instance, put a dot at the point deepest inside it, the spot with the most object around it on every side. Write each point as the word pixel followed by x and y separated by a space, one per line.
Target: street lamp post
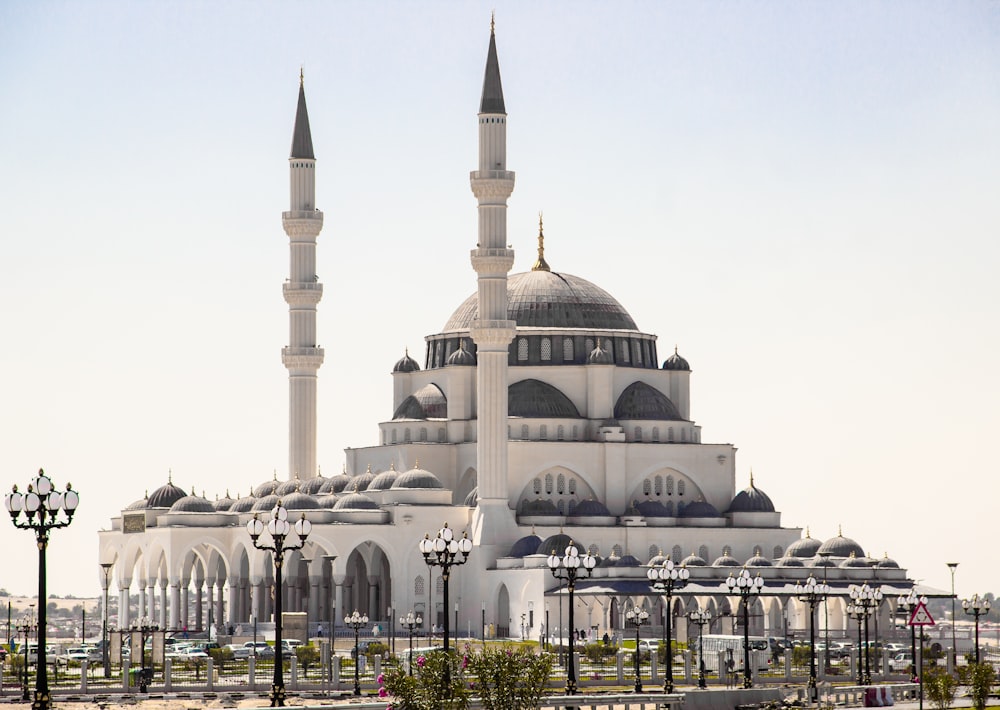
pixel 701 617
pixel 144 626
pixel 812 593
pixel 410 622
pixel 27 624
pixel 868 599
pixel 666 579
pixel 954 646
pixel 41 506
pixel 356 622
pixel 908 602
pixel 637 617
pixel 442 551
pixel 105 656
pixel 857 613
pixel 747 587
pixel 976 607
pixel 333 616
pixel 279 528
pixel 548 630
pixel 568 567
pixel 484 623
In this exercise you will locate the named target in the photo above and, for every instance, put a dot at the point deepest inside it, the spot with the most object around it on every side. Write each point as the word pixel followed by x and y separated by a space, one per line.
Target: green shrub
pixel 980 679
pixel 307 655
pixel 940 687
pixel 508 678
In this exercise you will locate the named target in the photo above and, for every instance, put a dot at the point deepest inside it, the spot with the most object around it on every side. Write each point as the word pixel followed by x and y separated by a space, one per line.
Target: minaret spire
pixel 540 263
pixel 302 290
pixel 492 99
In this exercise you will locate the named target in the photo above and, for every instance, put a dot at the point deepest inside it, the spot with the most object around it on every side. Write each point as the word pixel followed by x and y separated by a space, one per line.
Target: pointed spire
pixel 492 100
pixel 540 263
pixel 302 142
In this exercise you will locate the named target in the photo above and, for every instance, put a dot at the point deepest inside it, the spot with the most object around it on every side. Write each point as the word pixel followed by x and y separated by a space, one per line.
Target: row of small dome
pixel 598 356
pixel 295 494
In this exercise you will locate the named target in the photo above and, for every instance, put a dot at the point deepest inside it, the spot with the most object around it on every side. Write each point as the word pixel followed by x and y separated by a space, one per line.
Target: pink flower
pixel 382 692
pixel 421 661
pixel 465 661
pixel 381 678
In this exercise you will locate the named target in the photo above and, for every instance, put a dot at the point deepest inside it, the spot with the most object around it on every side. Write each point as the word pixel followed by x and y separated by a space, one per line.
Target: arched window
pixel 647 487
pixel 637 433
pixel 670 434
pixel 568 349
pixel 572 486
pixel 449 348
pixel 703 553
pixel 537 484
pixel 442 435
pixel 778 552
pixel 637 351
pixel 548 483
pixel 658 485
pixel 653 552
pixel 572 507
pixel 670 485
pixel 588 344
pixel 524 432
pixel 576 433
pixel 423 433
pixel 394 436
pixel 522 349
pixel 561 484
pixel 616 550
pixel 546 349
pixel 680 488
pixel 418 586
pixel 656 437
pixel 561 507
pixel 437 354
pixel 543 432
pixel 560 433
pixel 406 435
pixel 675 554
pixel 623 350
pixel 669 505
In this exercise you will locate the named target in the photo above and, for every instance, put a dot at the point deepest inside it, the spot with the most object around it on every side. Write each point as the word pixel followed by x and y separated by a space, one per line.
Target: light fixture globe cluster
pixel 977 606
pixel 812 588
pixel 278 525
pixel 812 593
pixel 445 544
pixel 866 599
pixel 746 586
pixel 637 616
pixel 356 622
pixel 572 559
pixel 908 603
pixel 668 571
pixel 665 579
pixel 743 582
pixel 42 500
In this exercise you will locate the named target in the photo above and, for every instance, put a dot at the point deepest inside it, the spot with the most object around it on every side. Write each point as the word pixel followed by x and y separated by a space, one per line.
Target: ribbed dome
pixel 140 504
pixel 406 364
pixel 699 509
pixel 803 548
pixel 628 561
pixel 355 501
pixel 693 560
pixel 676 362
pixel 299 501
pixel 222 505
pixel 361 483
pixel 726 560
pixel 537 399
pixel 820 562
pixel 383 481
pixel 472 500
pixel 417 478
pixel 789 562
pixel 652 509
pixel 527 545
pixel 165 496
pixel 428 402
pixel 192 504
pixel 751 500
pixel 640 401
pixel 590 508
pixel 840 546
pixel 265 503
pixel 539 506
pixel 313 485
pixel 857 562
pixel 546 299
pixel 657 560
pixel 600 356
pixel 462 357
pixel 244 504
pixel 558 543
pixel 326 501
pixel 335 484
pixel 289 486
pixel 266 488
pixel 758 561
pixel 887 563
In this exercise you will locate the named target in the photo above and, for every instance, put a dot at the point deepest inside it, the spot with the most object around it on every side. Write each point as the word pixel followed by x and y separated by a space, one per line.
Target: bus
pixel 724 647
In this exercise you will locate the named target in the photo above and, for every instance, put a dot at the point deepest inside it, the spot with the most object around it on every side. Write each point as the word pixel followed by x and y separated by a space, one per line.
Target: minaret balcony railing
pixel 301 286
pixel 303 214
pixel 492 175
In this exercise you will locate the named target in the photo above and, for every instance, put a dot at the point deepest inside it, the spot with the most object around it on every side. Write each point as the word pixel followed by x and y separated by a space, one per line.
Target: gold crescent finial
pixel 751 477
pixel 302 76
pixel 540 263
pixel 170 475
pixel 493 19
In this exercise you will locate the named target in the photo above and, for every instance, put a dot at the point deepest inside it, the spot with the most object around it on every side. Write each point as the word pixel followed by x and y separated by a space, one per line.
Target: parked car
pixel 900 662
pixel 77 654
pixel 192 653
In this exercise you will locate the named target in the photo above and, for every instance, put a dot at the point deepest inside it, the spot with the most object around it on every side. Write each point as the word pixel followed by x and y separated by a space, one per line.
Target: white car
pixel 900 662
pixel 649 645
pixel 192 654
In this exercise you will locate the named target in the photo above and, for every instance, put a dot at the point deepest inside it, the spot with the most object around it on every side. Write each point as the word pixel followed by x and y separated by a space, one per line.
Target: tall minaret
pixel 492 184
pixel 303 291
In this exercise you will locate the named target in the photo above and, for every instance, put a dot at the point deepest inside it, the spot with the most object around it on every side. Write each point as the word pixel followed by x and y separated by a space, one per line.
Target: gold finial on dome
pixel 540 263
pixel 493 19
pixel 302 76
pixel 751 477
pixel 840 530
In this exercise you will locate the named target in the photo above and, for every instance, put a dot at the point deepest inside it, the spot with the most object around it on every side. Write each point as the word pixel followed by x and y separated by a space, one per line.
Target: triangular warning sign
pixel 920 616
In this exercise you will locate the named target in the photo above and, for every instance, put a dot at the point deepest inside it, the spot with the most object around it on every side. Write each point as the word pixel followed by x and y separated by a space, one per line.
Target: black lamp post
pixel 867 599
pixel 568 567
pixel 145 627
pixel 357 622
pixel 701 617
pixel 637 617
pixel 26 625
pixel 105 656
pixel 812 593
pixel 908 602
pixel 747 587
pixel 443 551
pixel 333 615
pixel 279 528
pixel 665 580
pixel 410 622
pixel 954 648
pixel 976 607
pixel 41 506
pixel 856 612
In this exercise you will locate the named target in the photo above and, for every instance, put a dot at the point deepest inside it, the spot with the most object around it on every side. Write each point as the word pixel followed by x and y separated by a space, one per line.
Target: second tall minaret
pixel 302 291
pixel 492 184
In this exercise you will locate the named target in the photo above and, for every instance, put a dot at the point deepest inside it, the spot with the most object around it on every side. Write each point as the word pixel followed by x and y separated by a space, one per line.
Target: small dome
pixel 857 562
pixel 628 561
pixel 536 399
pixel 361 483
pixel 299 501
pixel 758 561
pixel 751 500
pixel 558 543
pixel 266 488
pixel 600 356
pixel 165 496
pixel 384 480
pixel 417 478
pixel 244 504
pixel 652 509
pixel 140 504
pixel 789 562
pixel 590 508
pixel 726 560
pixel 539 506
pixel 335 484
pixel 265 503
pixel 609 561
pixel 355 501
pixel 699 509
pixel 192 504
pixel 693 560
pixel 472 500
pixel 641 401
pixel 289 486
pixel 312 485
pixel 657 560
pixel 406 364
pixel 820 562
pixel 527 545
pixel 428 402
pixel 887 563
pixel 326 501
pixel 804 547
pixel 676 362
pixel 840 546
pixel 462 357
pixel 223 505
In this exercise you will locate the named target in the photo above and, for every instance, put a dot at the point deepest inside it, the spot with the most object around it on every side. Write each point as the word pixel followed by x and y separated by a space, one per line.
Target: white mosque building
pixel 541 414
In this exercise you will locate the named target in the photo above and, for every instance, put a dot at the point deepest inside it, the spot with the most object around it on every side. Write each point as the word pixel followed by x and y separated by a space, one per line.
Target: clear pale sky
pixel 803 197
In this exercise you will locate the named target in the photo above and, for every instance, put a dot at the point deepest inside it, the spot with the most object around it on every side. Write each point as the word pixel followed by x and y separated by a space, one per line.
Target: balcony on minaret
pixel 302 358
pixel 302 293
pixel 303 214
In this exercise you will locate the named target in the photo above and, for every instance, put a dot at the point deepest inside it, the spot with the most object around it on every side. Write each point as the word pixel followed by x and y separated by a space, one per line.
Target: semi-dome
pixel 539 506
pixel 676 362
pixel 462 357
pixel 590 508
pixel 558 543
pixel 428 402
pixel 472 500
pixel 383 481
pixel 546 299
pixel 355 501
pixel 699 509
pixel 694 560
pixel 640 401
pixel 600 356
pixel 165 496
pixel 652 509
pixel 299 501
pixel 527 545
pixel 417 478
pixel 803 548
pixel 537 399
pixel 335 484
pixel 192 504
pixel 265 503
pixel 312 486
pixel 726 560
pixel 267 487
pixel 326 501
pixel 840 546
pixel 406 364
pixel 751 500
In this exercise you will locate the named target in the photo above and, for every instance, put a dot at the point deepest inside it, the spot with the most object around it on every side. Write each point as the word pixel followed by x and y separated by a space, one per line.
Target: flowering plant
pixel 508 679
pixel 438 681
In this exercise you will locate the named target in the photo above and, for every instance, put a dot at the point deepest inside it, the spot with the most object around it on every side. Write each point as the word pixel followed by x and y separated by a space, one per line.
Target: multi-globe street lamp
pixel 747 587
pixel 701 617
pixel 145 627
pixel 279 528
pixel 908 602
pixel 812 593
pixel 569 567
pixel 105 656
pixel 27 624
pixel 868 599
pixel 442 551
pixel 977 606
pixel 666 579
pixel 356 622
pixel 410 622
pixel 637 617
pixel 41 506
pixel 856 612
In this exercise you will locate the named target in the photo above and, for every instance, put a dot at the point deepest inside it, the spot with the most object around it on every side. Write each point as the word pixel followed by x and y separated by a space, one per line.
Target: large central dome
pixel 545 299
